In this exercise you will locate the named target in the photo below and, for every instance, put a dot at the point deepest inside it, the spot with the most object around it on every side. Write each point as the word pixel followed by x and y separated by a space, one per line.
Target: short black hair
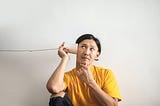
pixel 89 36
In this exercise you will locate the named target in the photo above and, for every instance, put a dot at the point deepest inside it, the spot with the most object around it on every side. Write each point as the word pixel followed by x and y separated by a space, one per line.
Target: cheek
pixel 78 54
pixel 94 55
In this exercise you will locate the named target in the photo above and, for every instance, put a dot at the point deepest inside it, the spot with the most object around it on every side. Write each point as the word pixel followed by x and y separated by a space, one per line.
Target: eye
pixel 92 49
pixel 83 46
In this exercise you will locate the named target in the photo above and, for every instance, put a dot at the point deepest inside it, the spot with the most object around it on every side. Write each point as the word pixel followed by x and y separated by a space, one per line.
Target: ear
pixel 96 58
pixel 98 54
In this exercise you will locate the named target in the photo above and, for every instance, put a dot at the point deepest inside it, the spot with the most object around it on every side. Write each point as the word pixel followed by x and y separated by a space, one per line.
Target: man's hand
pixel 63 51
pixel 85 74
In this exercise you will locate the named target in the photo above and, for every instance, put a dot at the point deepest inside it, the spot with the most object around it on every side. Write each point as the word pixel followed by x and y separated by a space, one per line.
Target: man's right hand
pixel 63 51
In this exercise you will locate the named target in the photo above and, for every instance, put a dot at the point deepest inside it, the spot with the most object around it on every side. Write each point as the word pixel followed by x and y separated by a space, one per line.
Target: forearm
pixel 55 82
pixel 103 98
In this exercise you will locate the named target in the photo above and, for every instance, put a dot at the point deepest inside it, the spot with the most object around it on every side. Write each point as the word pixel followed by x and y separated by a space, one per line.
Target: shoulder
pixel 70 72
pixel 106 72
pixel 102 69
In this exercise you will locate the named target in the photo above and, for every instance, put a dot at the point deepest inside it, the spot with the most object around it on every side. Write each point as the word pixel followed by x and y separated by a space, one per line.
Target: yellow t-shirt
pixel 80 93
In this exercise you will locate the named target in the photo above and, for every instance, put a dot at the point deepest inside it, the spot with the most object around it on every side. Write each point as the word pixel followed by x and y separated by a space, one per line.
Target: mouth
pixel 85 58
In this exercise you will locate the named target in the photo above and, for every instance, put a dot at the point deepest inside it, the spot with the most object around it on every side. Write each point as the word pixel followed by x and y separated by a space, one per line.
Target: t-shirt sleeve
pixel 66 80
pixel 110 85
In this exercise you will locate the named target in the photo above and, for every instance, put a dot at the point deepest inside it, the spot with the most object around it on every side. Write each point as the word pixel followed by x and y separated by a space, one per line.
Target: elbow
pixel 53 89
pixel 113 103
pixel 50 89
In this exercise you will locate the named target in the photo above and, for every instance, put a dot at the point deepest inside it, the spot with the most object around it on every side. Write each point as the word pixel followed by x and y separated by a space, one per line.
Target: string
pixel 27 50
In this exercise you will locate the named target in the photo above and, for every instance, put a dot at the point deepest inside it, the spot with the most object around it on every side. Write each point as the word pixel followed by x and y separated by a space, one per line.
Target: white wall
pixel 129 31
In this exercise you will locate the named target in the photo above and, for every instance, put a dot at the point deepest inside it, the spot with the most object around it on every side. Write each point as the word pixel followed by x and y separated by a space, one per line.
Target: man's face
pixel 87 52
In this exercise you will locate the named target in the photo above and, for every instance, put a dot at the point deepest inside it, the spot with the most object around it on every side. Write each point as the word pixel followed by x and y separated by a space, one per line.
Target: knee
pixel 57 99
pixel 60 99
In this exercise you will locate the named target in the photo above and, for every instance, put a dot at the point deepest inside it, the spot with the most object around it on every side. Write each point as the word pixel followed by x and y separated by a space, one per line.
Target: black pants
pixel 60 101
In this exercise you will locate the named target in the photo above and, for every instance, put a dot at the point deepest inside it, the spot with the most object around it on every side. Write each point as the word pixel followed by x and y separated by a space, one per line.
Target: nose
pixel 86 51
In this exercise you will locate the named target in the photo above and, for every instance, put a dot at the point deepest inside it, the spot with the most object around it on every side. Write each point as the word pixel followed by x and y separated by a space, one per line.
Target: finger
pixel 78 72
pixel 65 50
pixel 84 63
pixel 62 45
pixel 62 48
pixel 81 71
pixel 84 66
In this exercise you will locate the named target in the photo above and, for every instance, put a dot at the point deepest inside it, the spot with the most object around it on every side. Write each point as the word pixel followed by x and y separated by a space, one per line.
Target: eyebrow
pixel 93 46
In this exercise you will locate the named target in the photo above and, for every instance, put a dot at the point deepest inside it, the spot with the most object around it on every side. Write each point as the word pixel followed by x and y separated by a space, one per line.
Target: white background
pixel 129 31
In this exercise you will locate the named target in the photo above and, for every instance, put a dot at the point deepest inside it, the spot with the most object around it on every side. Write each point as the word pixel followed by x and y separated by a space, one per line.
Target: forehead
pixel 89 42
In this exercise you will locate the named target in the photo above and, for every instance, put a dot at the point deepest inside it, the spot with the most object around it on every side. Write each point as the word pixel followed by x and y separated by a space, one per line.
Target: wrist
pixel 66 58
pixel 92 84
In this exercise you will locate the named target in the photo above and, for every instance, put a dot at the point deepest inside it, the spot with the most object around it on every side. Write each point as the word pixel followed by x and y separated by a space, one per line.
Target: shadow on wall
pixel 23 78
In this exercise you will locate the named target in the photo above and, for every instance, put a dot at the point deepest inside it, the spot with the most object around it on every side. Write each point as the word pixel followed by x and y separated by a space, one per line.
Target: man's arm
pixel 103 98
pixel 55 83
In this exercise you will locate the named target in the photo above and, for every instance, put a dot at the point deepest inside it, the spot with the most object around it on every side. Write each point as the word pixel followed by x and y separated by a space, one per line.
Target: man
pixel 86 84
